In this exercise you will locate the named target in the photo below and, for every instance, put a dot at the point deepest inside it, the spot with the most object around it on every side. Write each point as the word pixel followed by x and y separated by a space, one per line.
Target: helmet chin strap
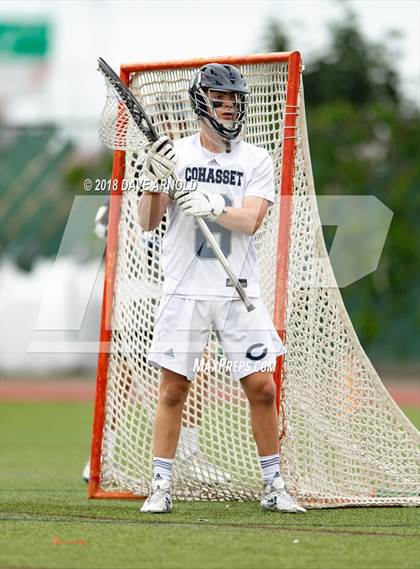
pixel 218 140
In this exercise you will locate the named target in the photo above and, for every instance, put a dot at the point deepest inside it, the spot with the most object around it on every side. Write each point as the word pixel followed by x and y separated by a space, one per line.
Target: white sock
pixel 162 468
pixel 270 467
pixel 188 441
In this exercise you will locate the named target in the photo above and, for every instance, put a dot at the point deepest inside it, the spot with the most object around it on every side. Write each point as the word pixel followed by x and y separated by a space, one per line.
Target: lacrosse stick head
pixel 122 125
pixel 116 127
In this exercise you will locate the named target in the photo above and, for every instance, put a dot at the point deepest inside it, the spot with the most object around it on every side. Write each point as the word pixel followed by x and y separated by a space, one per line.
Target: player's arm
pixel 246 219
pixel 151 209
pixel 158 166
pixel 259 195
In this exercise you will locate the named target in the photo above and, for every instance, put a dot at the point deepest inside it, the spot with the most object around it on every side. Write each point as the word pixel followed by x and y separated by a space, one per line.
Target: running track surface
pixel 77 390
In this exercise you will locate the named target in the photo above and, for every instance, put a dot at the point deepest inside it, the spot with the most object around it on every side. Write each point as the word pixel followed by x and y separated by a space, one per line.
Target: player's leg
pixel 252 344
pixel 188 444
pixel 180 336
pixel 173 391
pixel 254 358
pixel 260 390
pixel 195 465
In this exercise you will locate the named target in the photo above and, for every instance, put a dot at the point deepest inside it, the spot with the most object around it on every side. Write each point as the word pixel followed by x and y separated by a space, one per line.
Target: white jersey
pixel 189 264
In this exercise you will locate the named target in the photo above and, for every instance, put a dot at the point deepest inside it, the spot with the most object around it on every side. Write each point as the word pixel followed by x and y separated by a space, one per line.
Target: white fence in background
pixel 50 317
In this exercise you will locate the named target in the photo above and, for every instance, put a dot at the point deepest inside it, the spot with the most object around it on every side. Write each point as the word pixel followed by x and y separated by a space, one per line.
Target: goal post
pixel 344 441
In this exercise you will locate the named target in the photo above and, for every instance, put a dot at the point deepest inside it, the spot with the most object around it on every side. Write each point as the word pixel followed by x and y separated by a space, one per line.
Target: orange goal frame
pixel 286 190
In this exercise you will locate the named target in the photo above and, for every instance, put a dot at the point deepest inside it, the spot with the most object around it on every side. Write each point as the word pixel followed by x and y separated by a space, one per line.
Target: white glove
pixel 160 160
pixel 200 203
pixel 101 221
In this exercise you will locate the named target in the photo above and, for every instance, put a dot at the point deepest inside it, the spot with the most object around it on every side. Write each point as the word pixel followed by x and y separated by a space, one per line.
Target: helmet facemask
pixel 206 107
pixel 234 125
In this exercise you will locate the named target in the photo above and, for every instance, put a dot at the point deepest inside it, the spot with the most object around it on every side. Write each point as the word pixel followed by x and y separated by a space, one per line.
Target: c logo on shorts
pixel 256 357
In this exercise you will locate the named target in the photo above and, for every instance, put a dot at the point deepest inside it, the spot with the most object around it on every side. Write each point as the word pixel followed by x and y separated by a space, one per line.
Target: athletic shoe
pixel 198 469
pixel 86 472
pixel 276 498
pixel 160 500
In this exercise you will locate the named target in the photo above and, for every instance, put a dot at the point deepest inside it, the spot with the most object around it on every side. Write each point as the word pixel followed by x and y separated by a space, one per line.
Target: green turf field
pixel 48 522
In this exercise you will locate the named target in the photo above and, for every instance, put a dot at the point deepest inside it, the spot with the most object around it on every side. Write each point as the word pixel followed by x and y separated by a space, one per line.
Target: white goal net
pixel 344 440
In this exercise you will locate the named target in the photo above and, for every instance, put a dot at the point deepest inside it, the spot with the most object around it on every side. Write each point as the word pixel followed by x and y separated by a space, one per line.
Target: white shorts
pixel 249 339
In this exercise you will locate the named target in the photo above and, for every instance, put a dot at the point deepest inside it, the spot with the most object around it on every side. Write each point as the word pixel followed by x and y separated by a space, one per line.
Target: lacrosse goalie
pixel 229 183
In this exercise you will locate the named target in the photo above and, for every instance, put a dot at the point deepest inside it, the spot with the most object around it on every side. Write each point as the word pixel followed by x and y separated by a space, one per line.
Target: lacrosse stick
pixel 127 129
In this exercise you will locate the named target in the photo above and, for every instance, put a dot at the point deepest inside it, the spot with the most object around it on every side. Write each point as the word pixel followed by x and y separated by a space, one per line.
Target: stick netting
pixel 346 442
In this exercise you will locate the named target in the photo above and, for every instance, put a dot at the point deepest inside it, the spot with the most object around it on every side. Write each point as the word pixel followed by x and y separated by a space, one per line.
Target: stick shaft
pixel 208 236
pixel 223 261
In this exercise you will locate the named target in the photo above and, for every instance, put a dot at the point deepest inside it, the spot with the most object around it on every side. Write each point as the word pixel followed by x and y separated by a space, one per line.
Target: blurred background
pixel 362 95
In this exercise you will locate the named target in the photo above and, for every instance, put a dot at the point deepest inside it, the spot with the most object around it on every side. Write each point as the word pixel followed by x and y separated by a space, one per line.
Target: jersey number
pixel 204 251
